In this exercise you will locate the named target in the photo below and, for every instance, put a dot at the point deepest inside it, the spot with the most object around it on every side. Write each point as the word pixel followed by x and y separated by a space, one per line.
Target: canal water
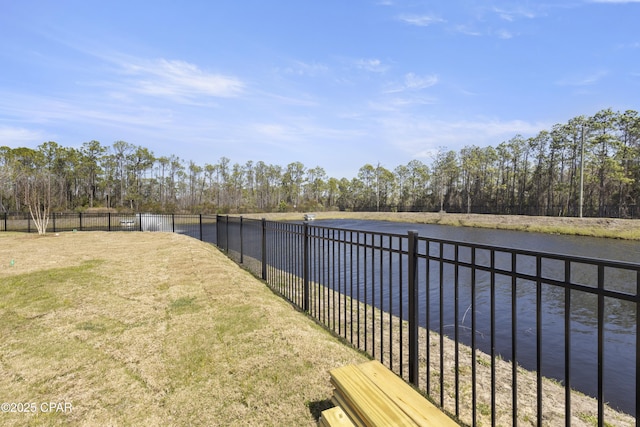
pixel 620 327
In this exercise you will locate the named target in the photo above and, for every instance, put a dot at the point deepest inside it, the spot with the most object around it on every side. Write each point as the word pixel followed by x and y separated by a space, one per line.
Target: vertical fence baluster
pixel 474 391
pixel 514 341
pixel 493 336
pixel 539 337
pixel 263 248
pixel 600 345
pixel 390 302
pixel 456 327
pixel 412 259
pixel 241 242
pixel 427 316
pixel 637 302
pixel 441 326
pixel 305 269
pixel 227 233
pixel 358 288
pixel 332 263
pixel 567 343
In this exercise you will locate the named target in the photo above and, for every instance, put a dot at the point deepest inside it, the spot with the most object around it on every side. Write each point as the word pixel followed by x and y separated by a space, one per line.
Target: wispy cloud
pixel 423 138
pixel 464 29
pixel 179 79
pixel 302 68
pixel 413 82
pixel 504 34
pixel 16 136
pixel 584 80
pixel 513 14
pixel 399 103
pixel 372 65
pixel 420 20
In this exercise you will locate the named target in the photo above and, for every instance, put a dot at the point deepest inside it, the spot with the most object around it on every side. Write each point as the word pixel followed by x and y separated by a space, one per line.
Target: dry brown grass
pixel 152 329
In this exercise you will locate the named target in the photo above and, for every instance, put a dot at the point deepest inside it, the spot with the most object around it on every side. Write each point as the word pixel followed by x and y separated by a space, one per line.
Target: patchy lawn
pixel 152 329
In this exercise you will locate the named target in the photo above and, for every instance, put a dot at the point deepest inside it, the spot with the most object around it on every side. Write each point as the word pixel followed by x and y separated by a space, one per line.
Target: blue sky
pixel 330 83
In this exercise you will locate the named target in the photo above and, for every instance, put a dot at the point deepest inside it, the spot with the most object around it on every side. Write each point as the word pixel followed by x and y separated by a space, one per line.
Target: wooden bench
pixel 369 395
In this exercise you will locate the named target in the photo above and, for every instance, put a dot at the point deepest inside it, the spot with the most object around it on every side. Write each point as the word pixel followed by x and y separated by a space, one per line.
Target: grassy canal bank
pixel 594 227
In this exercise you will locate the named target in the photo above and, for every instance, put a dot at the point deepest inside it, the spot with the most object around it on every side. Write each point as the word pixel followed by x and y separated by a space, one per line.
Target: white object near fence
pixel 155 222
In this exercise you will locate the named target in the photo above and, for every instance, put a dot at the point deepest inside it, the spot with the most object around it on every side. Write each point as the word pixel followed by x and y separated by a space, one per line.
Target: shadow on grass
pixel 318 406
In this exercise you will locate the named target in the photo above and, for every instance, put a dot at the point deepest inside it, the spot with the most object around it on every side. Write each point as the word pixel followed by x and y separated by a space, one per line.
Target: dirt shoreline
pixel 628 229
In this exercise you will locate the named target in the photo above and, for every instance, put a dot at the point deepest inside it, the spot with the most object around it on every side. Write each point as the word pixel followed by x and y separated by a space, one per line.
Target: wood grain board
pixel 371 395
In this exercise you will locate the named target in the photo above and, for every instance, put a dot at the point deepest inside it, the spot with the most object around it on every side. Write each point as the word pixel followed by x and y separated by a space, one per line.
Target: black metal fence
pixel 201 227
pixel 494 335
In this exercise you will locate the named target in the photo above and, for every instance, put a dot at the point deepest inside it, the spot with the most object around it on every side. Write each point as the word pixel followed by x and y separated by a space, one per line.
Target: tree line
pixel 589 165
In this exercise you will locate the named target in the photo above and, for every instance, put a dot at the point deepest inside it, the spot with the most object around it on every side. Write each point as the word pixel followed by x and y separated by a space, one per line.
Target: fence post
pixel 305 269
pixel 5 221
pixel 226 221
pixel 109 219
pixel 53 216
pixel 201 236
pixel 241 239
pixel 264 249
pixel 173 223
pixel 413 307
pixel 80 216
pixel 28 223
pixel 218 226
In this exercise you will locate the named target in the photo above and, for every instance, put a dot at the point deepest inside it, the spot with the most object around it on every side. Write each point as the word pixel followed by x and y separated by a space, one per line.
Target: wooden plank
pixel 346 406
pixel 335 417
pixel 412 403
pixel 370 403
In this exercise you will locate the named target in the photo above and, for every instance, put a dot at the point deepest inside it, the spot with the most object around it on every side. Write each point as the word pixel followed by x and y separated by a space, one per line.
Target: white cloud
pixel 585 80
pixel 413 82
pixel 464 29
pixel 401 103
pixel 180 79
pixel 302 68
pixel 17 136
pixel 504 34
pixel 420 137
pixel 420 20
pixel 372 65
pixel 513 14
